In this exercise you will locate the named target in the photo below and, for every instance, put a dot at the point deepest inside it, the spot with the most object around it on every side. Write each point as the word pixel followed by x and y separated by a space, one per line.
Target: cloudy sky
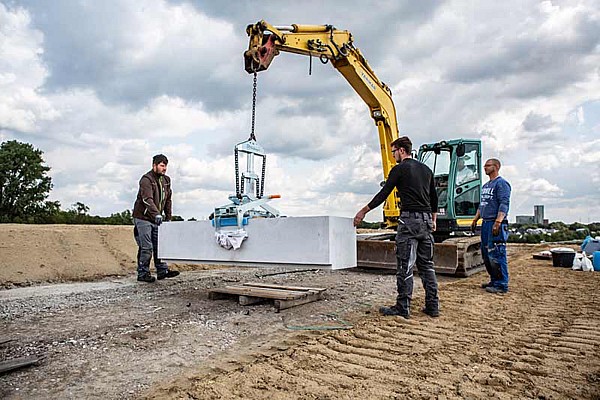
pixel 101 86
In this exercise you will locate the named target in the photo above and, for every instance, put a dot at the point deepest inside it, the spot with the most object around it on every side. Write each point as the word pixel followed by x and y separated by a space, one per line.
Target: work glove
pixel 158 219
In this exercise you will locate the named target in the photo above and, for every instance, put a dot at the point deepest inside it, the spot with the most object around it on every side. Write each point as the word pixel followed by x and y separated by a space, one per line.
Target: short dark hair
pixel 496 162
pixel 404 143
pixel 159 158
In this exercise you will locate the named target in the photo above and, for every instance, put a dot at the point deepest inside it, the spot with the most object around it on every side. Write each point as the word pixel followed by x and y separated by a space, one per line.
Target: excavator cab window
pixel 438 160
pixel 467 180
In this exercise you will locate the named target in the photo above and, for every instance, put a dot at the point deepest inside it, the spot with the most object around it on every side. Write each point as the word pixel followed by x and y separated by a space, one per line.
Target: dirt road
pixel 116 338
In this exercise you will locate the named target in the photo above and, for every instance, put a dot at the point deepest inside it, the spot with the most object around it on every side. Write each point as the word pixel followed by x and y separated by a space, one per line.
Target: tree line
pixel 554 232
pixel 25 187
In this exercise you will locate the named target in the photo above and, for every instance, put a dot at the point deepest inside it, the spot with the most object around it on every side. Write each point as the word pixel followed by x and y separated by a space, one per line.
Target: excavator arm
pixel 335 46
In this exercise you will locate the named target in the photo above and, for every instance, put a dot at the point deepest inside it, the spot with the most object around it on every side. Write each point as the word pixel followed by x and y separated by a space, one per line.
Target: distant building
pixel 537 217
pixel 525 219
pixel 538 214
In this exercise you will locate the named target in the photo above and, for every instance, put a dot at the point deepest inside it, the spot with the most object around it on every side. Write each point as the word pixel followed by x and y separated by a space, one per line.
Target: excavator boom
pixel 336 46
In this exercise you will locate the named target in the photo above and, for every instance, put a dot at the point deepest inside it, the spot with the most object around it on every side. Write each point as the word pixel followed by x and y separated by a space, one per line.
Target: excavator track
pixel 460 256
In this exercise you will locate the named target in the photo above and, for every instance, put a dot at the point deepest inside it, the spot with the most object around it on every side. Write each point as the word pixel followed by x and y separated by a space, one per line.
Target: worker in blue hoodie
pixel 493 209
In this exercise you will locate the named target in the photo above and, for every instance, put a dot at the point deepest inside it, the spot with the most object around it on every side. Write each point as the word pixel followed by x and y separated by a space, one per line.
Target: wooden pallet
pixel 283 296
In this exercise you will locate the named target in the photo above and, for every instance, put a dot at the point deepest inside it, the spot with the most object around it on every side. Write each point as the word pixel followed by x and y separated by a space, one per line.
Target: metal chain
pixel 252 137
pixel 262 180
pixel 238 194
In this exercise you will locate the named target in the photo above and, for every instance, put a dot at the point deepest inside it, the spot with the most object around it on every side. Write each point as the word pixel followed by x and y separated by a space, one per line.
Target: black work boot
pixel 387 311
pixel 431 312
pixel 146 278
pixel 497 290
pixel 167 274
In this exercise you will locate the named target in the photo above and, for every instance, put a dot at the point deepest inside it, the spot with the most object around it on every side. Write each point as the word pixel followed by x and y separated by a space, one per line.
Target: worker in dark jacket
pixel 414 240
pixel 152 206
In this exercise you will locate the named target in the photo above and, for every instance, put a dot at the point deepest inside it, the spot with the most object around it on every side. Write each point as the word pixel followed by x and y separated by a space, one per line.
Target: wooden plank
pixel 16 363
pixel 215 295
pixel 223 293
pixel 283 296
pixel 283 304
pixel 269 290
pixel 296 288
pixel 272 293
pixel 248 300
pixel 261 292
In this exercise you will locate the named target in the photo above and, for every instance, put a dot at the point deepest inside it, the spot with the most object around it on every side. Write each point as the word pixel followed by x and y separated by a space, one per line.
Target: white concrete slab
pixel 325 242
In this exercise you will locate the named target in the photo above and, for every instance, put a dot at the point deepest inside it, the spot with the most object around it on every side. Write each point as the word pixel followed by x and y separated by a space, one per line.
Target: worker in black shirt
pixel 414 240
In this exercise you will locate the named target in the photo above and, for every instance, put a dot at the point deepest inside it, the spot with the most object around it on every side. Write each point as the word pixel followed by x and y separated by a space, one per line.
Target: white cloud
pixel 21 72
pixel 358 172
pixel 545 162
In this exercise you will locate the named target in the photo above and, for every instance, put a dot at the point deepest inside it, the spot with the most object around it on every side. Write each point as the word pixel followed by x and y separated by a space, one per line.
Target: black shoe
pixel 431 313
pixel 146 278
pixel 486 285
pixel 493 289
pixel 387 311
pixel 168 274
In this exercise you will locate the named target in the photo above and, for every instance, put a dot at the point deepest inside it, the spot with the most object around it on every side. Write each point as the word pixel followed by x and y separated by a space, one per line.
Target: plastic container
pixel 585 241
pixel 596 261
pixel 563 257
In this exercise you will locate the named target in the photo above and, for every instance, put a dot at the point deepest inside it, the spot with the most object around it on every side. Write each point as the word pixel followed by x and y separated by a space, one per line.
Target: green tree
pixel 122 218
pixel 79 208
pixel 576 225
pixel 24 184
pixel 558 225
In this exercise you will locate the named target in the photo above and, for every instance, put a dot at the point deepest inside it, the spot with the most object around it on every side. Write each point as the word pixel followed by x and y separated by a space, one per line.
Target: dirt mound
pixel 34 254
pixel 38 253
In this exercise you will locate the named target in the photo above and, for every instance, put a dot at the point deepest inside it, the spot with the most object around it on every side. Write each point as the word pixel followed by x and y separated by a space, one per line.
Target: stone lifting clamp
pixel 249 200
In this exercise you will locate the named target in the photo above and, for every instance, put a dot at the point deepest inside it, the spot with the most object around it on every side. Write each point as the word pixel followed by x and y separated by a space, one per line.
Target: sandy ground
pixel 111 337
pixel 33 254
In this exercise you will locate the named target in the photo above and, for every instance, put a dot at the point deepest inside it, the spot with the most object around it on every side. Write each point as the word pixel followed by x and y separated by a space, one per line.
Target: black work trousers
pixel 146 236
pixel 414 245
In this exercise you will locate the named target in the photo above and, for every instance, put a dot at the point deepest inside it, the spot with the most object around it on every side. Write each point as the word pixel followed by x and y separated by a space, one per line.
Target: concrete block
pixel 324 242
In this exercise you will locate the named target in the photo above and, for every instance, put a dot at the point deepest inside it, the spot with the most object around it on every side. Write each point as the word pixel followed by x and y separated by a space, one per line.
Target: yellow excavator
pixel 457 252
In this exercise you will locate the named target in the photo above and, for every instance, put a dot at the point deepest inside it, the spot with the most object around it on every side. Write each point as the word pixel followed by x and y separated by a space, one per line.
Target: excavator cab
pixel 456 166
